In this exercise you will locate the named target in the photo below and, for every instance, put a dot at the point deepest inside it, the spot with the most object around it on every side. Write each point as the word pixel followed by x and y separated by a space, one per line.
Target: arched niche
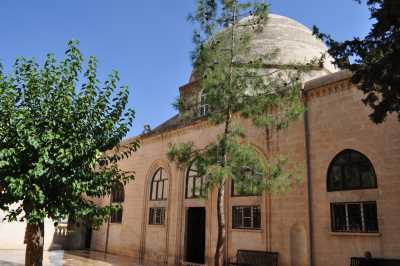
pixel 298 245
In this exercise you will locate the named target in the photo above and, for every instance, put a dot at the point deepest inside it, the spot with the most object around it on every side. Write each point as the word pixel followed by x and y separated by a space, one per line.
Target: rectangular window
pixel 116 217
pixel 356 217
pixel 370 214
pixel 157 216
pixel 246 217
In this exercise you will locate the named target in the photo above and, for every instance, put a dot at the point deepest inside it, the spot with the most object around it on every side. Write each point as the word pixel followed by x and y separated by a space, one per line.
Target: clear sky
pixel 148 42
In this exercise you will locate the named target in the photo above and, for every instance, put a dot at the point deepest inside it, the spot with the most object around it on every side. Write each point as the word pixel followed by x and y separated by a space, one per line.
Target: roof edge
pixel 327 79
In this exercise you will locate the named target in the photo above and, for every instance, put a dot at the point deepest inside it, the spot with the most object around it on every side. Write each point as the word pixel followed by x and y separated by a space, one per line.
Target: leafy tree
pixel 238 83
pixel 375 59
pixel 53 143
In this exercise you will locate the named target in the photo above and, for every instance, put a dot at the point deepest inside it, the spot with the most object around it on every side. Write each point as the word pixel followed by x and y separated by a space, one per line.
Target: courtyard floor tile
pixel 66 258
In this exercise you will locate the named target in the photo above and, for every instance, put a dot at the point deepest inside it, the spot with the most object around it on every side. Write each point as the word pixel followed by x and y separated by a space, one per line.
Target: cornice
pixel 199 124
pixel 327 80
pixel 332 88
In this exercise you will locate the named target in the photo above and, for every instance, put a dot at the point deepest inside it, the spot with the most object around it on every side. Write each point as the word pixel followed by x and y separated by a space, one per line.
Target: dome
pixel 295 44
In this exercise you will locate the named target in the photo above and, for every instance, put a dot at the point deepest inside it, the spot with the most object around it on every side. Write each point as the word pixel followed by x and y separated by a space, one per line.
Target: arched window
pixel 117 197
pixel 203 104
pixel 159 186
pixel 117 193
pixel 350 170
pixel 195 183
pixel 246 189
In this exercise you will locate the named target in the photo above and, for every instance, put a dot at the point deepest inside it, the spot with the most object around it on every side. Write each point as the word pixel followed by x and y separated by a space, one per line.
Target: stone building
pixel 348 202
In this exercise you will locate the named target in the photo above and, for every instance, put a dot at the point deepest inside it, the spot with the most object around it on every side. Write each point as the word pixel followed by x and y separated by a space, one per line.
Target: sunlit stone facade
pixel 347 203
pixel 321 221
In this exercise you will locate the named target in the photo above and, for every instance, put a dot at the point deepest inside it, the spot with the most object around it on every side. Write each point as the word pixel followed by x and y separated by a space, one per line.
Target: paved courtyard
pixel 66 258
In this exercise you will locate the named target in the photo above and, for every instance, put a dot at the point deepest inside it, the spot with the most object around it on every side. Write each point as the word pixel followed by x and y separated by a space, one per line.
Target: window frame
pixel 204 107
pixel 346 187
pixel 118 193
pixel 194 183
pixel 153 215
pixel 364 222
pixel 248 172
pixel 252 219
pixel 117 198
pixel 154 184
pixel 116 217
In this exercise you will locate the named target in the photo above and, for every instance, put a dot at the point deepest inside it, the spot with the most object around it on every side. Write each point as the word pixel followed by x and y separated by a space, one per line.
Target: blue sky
pixel 148 42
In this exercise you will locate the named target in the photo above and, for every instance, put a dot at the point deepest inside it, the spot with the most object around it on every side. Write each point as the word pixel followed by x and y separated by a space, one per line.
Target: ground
pixel 66 258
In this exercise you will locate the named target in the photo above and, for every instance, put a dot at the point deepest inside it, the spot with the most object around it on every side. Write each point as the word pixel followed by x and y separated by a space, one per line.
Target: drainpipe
pixel 268 201
pixel 309 180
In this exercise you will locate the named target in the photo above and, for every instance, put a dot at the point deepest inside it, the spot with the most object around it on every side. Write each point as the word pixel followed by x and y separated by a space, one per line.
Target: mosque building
pixel 347 203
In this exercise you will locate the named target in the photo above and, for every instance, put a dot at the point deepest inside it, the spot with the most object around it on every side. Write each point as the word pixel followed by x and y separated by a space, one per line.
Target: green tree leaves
pixel 374 60
pixel 237 83
pixel 58 124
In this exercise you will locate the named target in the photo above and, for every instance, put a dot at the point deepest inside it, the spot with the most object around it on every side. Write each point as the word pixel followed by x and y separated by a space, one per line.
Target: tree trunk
pixel 34 239
pixel 219 252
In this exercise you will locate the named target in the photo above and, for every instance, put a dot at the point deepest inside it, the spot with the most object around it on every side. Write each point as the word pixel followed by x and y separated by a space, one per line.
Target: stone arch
pixel 260 152
pixel 298 245
pixel 157 164
pixel 259 149
pixel 160 163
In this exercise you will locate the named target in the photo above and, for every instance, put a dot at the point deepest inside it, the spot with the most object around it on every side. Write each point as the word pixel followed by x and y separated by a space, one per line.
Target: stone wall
pixel 55 238
pixel 337 120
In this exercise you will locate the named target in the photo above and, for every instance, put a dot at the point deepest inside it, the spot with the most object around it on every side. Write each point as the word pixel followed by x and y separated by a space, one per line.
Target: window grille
pixel 356 217
pixel 157 216
pixel 204 107
pixel 246 217
pixel 195 183
pixel 159 186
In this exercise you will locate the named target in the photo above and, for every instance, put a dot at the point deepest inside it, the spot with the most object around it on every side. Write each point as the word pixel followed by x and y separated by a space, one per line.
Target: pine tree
pixel 53 143
pixel 237 83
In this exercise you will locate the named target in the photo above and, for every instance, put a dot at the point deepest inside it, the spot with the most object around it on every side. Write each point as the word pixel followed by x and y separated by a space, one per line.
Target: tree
pixel 238 83
pixel 375 59
pixel 53 143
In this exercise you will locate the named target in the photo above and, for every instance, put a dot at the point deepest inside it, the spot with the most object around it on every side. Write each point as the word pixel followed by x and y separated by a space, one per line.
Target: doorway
pixel 88 237
pixel 195 235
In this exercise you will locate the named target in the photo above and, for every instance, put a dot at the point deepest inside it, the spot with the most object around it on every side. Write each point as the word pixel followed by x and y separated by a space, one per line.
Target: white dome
pixel 295 44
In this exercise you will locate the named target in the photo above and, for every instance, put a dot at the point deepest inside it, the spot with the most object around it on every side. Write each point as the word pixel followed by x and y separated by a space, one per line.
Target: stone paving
pixel 66 258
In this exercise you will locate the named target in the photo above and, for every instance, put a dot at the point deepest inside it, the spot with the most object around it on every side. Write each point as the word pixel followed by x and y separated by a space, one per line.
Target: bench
pixel 374 262
pixel 255 258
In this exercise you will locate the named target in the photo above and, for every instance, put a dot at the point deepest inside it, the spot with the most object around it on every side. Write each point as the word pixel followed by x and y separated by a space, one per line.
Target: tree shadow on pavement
pixel 8 263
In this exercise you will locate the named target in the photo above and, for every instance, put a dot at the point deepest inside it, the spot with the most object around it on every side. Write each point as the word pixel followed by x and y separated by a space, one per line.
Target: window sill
pixel 258 230
pixel 354 234
pixel 115 224
pixel 246 196
pixel 156 225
